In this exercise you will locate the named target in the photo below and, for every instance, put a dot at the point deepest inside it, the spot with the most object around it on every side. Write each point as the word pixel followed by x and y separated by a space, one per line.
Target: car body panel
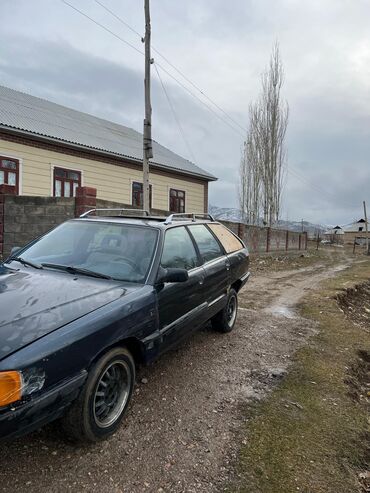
pixel 34 303
pixel 177 319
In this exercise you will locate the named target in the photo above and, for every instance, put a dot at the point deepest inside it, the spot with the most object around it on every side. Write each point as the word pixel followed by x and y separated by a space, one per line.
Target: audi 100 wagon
pixel 87 302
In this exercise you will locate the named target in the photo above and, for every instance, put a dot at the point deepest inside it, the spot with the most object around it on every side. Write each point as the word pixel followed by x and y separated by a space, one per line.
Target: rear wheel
pixel 224 321
pixel 99 410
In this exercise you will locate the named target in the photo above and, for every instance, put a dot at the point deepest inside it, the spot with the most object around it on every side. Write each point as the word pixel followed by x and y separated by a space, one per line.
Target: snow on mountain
pixel 233 214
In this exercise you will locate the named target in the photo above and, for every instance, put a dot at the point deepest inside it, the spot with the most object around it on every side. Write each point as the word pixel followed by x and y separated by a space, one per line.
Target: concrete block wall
pixel 256 238
pixel 24 218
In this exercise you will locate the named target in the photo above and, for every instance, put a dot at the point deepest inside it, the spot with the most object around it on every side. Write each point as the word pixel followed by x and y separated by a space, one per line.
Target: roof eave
pixel 102 152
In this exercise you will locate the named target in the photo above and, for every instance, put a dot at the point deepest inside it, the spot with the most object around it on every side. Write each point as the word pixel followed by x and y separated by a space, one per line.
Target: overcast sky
pixel 51 51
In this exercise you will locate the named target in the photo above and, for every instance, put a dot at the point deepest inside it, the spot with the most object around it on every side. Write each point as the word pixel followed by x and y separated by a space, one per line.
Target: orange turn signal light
pixel 10 387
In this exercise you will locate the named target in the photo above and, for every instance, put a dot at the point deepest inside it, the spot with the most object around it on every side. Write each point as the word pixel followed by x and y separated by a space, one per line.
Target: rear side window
pixel 229 241
pixel 178 250
pixel 208 246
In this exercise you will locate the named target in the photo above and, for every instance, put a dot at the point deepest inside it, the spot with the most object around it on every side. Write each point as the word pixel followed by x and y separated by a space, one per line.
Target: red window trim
pixel 135 182
pixel 6 170
pixel 64 180
pixel 176 209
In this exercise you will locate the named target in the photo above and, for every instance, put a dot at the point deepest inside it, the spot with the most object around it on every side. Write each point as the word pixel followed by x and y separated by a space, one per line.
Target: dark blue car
pixel 84 304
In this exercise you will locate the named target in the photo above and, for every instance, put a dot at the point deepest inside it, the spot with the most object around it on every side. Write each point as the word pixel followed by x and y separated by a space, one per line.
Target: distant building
pixel 335 235
pixel 356 231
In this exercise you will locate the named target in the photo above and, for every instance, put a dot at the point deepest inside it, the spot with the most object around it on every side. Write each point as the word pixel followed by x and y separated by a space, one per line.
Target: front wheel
pixel 99 410
pixel 224 321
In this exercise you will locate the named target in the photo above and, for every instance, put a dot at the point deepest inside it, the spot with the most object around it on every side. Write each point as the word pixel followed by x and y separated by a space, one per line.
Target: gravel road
pixel 183 430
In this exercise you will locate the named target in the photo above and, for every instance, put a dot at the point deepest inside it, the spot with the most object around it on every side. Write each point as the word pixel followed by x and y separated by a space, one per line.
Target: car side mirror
pixel 172 275
pixel 14 250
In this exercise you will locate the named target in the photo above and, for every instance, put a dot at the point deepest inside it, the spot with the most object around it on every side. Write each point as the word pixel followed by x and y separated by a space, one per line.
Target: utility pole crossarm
pixel 147 134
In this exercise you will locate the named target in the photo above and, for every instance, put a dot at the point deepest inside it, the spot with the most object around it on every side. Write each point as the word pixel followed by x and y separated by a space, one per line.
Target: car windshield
pixel 118 251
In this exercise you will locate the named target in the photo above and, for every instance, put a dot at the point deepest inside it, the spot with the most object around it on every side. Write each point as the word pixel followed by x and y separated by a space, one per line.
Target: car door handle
pixel 201 280
pixel 227 265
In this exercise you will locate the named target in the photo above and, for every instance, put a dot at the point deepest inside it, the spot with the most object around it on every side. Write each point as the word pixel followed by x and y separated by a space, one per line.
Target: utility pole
pixel 367 230
pixel 147 140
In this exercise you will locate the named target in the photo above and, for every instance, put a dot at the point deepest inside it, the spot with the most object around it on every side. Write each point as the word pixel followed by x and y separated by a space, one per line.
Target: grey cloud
pixel 223 47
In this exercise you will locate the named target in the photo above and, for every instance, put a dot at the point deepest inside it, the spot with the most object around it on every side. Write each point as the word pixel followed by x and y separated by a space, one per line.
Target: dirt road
pixel 182 431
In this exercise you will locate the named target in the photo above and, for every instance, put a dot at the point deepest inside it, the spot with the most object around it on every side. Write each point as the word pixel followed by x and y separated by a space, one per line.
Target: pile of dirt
pixel 358 378
pixel 355 303
pixel 358 381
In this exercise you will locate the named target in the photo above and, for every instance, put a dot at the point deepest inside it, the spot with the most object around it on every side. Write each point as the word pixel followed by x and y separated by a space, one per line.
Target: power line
pixel 316 187
pixel 175 115
pixel 294 173
pixel 160 66
pixel 195 86
pixel 103 27
pixel 202 102
pixel 119 19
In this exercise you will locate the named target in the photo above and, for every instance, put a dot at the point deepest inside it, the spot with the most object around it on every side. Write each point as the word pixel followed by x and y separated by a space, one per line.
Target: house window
pixel 137 194
pixel 177 200
pixel 9 172
pixel 65 182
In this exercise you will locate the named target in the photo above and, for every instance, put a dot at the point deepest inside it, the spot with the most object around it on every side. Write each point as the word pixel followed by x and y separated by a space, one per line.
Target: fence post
pixel 287 241
pixel 241 230
pixel 4 190
pixel 300 241
pixel 85 200
pixel 268 239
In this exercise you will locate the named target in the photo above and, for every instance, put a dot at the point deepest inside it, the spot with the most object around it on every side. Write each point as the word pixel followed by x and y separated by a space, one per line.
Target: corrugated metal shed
pixel 40 117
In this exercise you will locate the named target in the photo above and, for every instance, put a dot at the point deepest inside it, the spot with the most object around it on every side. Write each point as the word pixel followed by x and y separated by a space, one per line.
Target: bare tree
pixel 250 171
pixel 263 164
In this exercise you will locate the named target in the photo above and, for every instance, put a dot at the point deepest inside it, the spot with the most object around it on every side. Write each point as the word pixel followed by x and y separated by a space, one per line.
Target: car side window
pixel 178 250
pixel 229 241
pixel 208 246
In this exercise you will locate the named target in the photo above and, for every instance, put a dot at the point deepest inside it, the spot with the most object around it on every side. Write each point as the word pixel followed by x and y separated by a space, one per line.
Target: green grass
pixel 308 436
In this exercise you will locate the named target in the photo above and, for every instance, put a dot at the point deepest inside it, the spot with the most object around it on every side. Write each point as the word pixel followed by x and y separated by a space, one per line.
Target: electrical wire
pixel 195 86
pixel 103 27
pixel 316 188
pixel 289 170
pixel 160 66
pixel 181 130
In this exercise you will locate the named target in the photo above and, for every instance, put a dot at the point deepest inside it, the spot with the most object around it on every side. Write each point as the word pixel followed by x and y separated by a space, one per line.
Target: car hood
pixel 33 302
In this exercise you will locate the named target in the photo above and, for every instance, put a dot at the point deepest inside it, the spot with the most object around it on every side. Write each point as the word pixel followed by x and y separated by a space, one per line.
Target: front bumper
pixel 40 410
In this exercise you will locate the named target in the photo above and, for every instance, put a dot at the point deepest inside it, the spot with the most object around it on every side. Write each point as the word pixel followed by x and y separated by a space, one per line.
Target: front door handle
pixel 227 265
pixel 201 280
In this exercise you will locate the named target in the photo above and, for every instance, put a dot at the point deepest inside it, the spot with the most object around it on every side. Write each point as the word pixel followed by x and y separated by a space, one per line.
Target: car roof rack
pixel 134 211
pixel 188 216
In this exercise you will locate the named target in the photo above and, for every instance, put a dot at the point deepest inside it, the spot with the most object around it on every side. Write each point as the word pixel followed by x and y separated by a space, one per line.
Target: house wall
pixel 113 182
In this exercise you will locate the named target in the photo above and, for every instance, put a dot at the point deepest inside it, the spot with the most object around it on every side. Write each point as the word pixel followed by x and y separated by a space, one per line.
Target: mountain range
pixel 234 215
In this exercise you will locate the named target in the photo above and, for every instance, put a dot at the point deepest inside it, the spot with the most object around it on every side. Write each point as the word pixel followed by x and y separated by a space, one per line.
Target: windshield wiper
pixel 76 270
pixel 25 262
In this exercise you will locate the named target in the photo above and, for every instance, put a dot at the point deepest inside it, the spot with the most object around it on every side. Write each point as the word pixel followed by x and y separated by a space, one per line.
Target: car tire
pixel 224 321
pixel 98 411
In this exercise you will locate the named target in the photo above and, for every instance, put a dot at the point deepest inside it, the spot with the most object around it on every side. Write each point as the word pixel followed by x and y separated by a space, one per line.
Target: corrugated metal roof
pixel 41 117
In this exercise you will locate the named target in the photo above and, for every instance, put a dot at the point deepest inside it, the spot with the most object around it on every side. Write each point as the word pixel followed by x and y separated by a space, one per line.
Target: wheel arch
pixel 132 344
